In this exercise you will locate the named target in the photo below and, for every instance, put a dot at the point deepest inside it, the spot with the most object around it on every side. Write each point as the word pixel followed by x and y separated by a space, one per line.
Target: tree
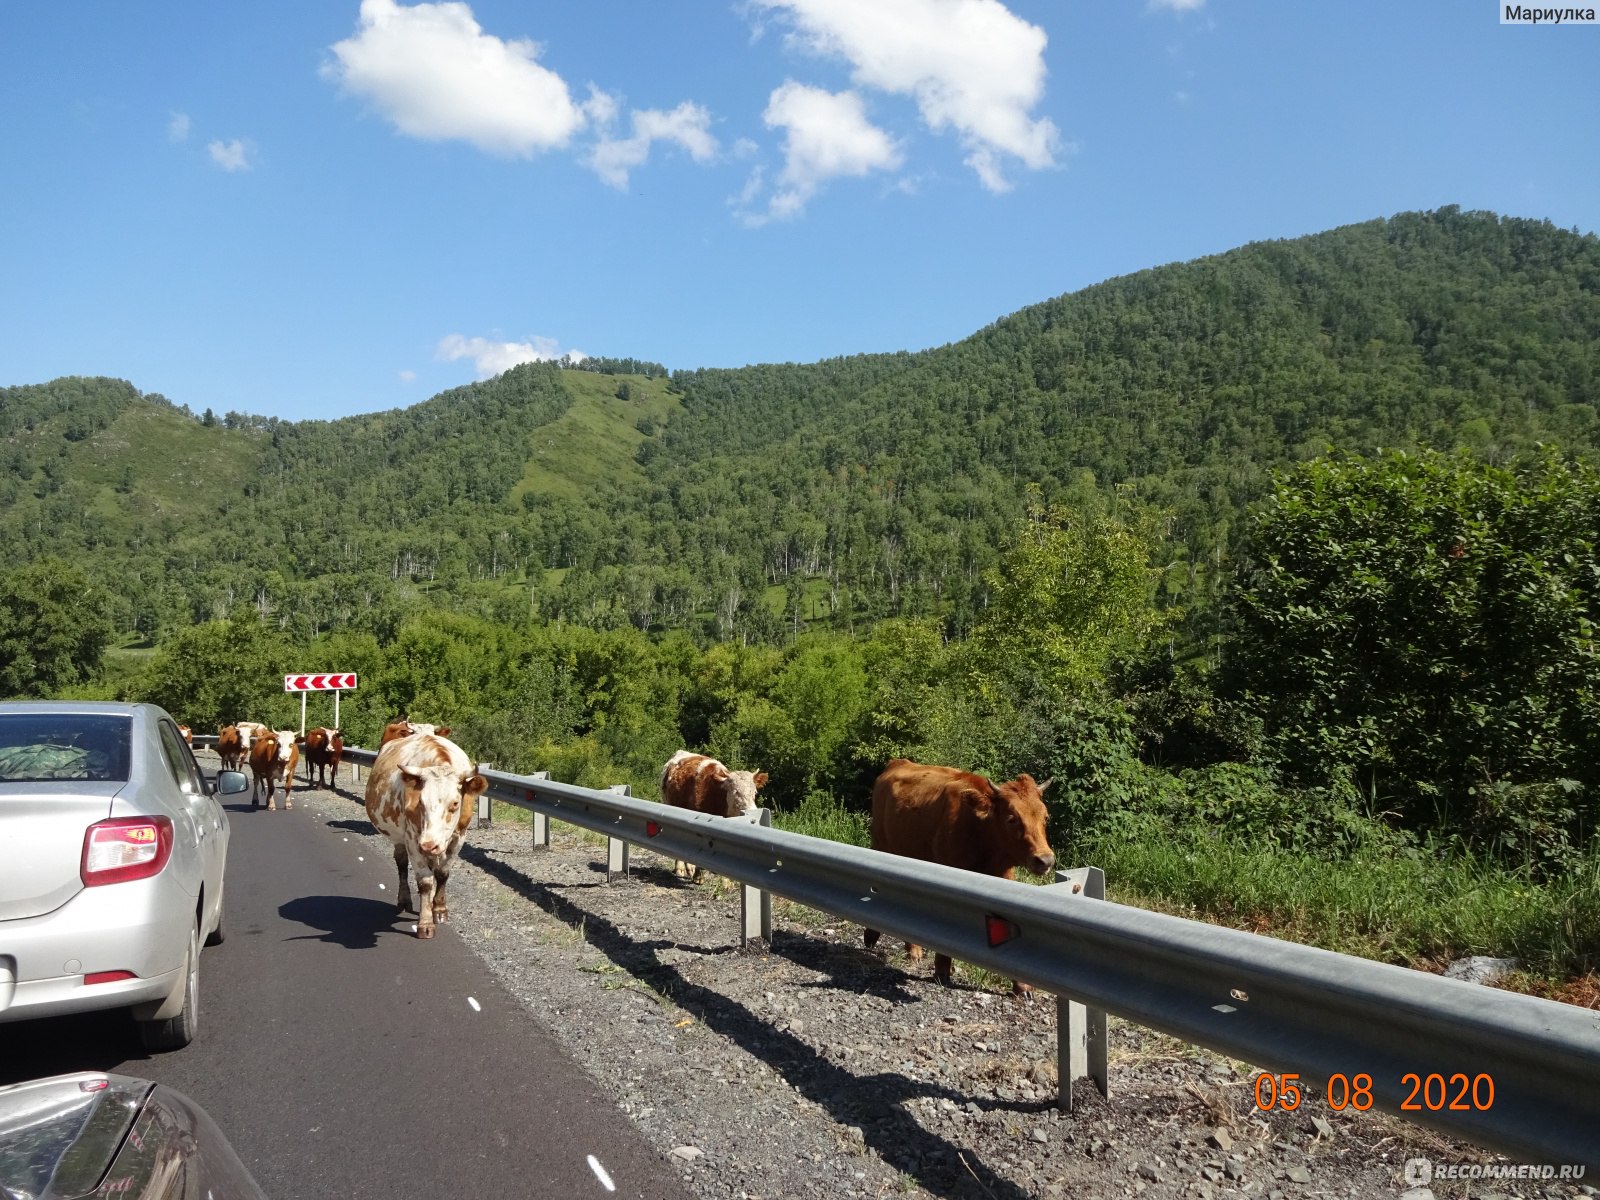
pixel 53 628
pixel 1424 625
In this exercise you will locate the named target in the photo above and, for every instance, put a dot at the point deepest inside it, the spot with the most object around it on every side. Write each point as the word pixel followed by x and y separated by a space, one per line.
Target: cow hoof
pixel 272 806
pixel 254 803
pixel 1023 991
pixel 870 937
pixel 287 806
pixel 424 931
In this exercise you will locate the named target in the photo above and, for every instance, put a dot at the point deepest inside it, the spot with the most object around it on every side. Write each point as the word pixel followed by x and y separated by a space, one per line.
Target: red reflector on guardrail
pixel 651 828
pixel 1000 930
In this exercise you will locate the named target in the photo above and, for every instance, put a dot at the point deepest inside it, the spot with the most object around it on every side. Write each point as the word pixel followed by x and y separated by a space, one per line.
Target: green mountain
pixel 862 486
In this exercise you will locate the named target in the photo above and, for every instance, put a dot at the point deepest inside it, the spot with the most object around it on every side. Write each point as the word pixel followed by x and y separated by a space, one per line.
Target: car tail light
pixel 124 848
pixel 94 977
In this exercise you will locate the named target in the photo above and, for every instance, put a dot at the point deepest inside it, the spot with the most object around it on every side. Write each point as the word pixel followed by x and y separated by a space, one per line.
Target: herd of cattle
pixel 423 788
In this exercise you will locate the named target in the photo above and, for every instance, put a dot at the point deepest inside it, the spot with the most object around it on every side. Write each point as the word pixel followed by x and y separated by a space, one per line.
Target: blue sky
pixel 312 208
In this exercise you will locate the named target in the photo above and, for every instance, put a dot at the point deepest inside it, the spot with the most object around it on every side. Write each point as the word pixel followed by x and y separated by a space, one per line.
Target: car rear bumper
pixel 141 926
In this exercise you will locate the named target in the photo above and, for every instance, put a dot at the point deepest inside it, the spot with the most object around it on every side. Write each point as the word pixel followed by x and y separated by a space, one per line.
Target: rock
pixel 1419 1193
pixel 1481 969
pixel 1321 1127
pixel 1149 1172
pixel 797 1026
pixel 686 1153
pixel 1234 1168
pixel 1212 1174
pixel 1205 1191
pixel 1299 1175
pixel 1039 1135
pixel 1221 1139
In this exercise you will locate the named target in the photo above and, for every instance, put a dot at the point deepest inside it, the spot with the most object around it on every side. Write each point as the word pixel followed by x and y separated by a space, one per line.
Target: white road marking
pixel 476 1007
pixel 600 1174
pixel 383 887
pixel 361 858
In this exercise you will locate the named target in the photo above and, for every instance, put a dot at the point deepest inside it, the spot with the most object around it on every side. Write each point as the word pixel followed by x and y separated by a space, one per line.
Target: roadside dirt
pixel 813 1067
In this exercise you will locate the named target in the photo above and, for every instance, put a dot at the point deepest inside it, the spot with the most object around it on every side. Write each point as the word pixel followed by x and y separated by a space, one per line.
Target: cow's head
pixel 1015 818
pixel 286 739
pixel 740 789
pixel 440 788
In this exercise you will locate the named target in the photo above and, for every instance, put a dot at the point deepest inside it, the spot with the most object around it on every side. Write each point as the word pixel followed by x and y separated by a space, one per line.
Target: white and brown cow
pixel 402 727
pixel 703 784
pixel 273 757
pixel 249 731
pixel 422 794
pixel 324 748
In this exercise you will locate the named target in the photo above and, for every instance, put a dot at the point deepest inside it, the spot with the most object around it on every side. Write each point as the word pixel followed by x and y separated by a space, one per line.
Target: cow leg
pixel 287 803
pixel 441 909
pixel 403 900
pixel 425 893
pixel 870 937
pixel 913 952
pixel 941 968
pixel 272 796
pixel 1025 990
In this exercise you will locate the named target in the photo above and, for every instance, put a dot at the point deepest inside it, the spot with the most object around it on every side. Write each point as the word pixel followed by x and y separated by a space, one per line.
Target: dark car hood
pixel 89 1134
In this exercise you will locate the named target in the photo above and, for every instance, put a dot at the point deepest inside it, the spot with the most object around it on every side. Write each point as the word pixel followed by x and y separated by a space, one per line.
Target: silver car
pixel 112 876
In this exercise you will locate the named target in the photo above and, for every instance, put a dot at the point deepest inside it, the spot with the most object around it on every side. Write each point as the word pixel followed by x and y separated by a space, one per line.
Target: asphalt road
pixel 343 1057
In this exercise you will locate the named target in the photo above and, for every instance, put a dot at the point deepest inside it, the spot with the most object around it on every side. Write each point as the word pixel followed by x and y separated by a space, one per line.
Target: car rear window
pixel 46 747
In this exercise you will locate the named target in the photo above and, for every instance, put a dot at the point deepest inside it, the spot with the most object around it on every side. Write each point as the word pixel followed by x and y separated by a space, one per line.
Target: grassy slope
pixel 178 468
pixel 594 441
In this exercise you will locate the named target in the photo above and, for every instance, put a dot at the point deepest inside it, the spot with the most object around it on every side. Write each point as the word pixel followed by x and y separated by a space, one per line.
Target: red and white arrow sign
pixel 342 682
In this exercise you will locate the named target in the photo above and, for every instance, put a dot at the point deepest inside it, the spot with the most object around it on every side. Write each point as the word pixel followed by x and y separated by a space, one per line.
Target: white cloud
pixel 826 135
pixel 1178 5
pixel 491 358
pixel 433 72
pixel 408 376
pixel 971 65
pixel 178 127
pixel 688 126
pixel 231 156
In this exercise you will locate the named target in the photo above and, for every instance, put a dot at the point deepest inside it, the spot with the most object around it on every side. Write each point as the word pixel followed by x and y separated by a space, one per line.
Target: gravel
pixel 813 1067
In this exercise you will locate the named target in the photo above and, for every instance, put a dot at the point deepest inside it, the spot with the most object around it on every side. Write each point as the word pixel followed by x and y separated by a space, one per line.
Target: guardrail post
pixel 541 823
pixel 485 801
pixel 1080 1031
pixel 755 905
pixel 616 848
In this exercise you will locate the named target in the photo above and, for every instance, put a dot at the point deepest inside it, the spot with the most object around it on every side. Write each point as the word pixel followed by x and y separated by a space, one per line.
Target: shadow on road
pixel 353 826
pixel 101 1041
pixel 874 1103
pixel 350 921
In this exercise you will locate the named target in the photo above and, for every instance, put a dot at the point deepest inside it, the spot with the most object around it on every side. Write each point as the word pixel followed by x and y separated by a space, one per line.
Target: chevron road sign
pixel 320 683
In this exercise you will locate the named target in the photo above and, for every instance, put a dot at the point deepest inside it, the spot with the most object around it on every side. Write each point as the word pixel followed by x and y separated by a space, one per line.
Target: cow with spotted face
pixel 701 783
pixel 421 795
pixel 273 757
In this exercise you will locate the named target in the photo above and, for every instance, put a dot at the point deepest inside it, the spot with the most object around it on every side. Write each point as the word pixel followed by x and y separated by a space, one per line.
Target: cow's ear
pixel 473 786
pixel 442 731
pixel 761 779
pixel 979 800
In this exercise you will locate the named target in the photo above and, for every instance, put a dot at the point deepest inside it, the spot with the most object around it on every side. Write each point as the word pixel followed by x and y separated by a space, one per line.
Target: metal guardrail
pixel 1512 1073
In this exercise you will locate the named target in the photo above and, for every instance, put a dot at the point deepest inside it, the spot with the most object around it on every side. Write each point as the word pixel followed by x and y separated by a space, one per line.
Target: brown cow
pixel 230 748
pixel 949 816
pixel 272 761
pixel 402 727
pixel 323 749
pixel 421 795
pixel 188 735
pixel 701 783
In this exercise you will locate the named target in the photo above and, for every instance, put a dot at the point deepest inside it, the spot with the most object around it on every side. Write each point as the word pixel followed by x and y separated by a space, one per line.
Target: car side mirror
pixel 231 783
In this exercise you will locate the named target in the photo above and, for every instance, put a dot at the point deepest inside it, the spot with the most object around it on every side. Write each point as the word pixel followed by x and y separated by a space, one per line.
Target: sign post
pixel 341 681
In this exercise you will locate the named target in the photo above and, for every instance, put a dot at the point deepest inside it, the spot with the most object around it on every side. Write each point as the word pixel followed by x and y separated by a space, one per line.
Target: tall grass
pixel 1407 906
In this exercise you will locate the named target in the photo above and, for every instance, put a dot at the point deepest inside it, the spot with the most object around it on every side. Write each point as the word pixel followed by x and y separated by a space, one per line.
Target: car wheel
pixel 219 934
pixel 174 1033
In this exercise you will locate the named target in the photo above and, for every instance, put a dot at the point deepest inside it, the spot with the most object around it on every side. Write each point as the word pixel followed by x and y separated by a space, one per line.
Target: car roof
pixel 110 708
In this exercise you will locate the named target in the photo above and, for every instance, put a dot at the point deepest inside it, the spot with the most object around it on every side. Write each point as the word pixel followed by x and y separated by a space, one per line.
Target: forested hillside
pixel 867 486
pixel 1178 541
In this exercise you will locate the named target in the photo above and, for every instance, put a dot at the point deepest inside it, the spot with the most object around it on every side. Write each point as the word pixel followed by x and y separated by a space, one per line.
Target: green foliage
pixel 221 672
pixel 1424 623
pixel 53 628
